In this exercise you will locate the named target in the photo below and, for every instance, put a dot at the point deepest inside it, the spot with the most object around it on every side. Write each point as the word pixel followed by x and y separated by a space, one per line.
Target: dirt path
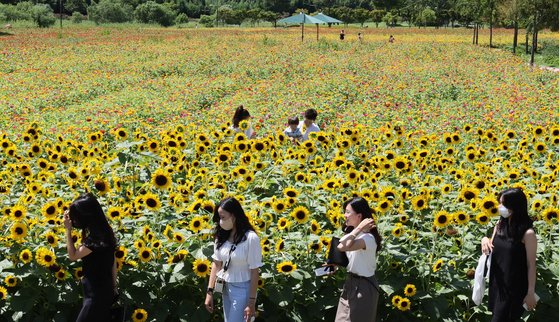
pixel 553 69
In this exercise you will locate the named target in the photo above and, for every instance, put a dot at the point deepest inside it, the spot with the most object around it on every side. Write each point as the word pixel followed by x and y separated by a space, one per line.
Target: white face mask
pixel 226 224
pixel 503 211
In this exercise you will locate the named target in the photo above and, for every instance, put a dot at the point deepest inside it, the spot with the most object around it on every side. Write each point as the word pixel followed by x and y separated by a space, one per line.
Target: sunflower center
pixel 161 180
pixel 151 202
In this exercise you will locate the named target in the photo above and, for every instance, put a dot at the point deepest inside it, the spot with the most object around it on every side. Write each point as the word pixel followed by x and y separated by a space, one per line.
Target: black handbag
pixel 335 256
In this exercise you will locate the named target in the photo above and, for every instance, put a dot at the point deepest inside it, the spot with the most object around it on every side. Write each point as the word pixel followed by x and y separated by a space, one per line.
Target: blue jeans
pixel 235 300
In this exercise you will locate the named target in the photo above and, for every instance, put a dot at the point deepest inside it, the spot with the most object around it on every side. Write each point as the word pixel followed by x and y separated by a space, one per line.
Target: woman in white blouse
pixel 236 261
pixel 361 243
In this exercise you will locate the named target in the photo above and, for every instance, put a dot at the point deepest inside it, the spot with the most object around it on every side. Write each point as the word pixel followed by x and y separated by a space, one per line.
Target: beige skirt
pixel 359 300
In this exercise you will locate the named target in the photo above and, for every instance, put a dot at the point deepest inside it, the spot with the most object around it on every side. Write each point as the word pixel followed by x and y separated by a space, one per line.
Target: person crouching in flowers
pixel 237 259
pixel 361 243
pixel 293 131
pixel 513 247
pixel 97 255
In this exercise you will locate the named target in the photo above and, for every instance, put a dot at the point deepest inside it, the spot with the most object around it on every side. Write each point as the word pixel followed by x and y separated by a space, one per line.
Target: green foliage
pixel 207 21
pixel 181 18
pixel 43 16
pixel 152 12
pixel 550 53
pixel 77 17
pixel 377 15
pixel 427 17
pixel 107 11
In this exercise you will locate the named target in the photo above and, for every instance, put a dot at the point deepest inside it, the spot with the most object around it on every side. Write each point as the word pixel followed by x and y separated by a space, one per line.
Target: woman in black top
pixel 97 254
pixel 512 276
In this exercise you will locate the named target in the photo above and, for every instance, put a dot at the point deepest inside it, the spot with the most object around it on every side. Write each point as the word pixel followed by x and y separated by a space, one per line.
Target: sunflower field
pixel 428 129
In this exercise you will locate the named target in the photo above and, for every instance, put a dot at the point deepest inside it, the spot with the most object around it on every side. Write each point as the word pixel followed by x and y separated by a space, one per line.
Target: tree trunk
pixel 477 34
pixel 491 35
pixel 474 35
pixel 515 39
pixel 534 39
pixel 526 42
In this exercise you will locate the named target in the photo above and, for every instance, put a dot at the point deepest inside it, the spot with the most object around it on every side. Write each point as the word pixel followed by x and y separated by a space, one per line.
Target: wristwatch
pixel 210 290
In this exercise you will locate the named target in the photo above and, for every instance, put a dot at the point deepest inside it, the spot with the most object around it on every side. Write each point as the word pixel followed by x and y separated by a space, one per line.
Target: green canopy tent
pixel 327 19
pixel 302 19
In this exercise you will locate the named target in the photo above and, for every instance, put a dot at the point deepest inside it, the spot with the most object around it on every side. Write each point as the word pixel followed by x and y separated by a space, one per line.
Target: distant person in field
pixel 342 35
pixel 97 253
pixel 360 37
pixel 391 39
pixel 308 124
pixel 242 114
pixel 293 131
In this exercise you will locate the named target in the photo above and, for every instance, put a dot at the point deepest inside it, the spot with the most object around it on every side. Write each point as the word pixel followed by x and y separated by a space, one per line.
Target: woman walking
pixel 513 247
pixel 97 254
pixel 237 259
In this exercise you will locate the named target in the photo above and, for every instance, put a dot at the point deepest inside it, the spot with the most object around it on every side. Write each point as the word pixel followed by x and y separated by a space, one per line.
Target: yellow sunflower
pixel 286 267
pixel 461 217
pixel 61 275
pixel 419 202
pixel 482 218
pixel 120 253
pixel 26 256
pixel 18 212
pixel 404 304
pixel 410 290
pixel 152 201
pixel 45 257
pixel 551 215
pixel 78 273
pixel 442 218
pixel 102 186
pixel 396 300
pixel 18 231
pixel 398 230
pixel 284 224
pixel 300 214
pixel 161 179
pixel 438 264
pixel 279 206
pixel 201 267
pixel 145 254
pixel 49 210
pixel 139 315
pixel 3 293
pixel 196 224
pixel 290 192
pixel 52 239
pixel 10 281
pixel 315 227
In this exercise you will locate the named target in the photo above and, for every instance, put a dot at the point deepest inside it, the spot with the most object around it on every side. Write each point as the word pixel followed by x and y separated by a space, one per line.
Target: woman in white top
pixel 242 114
pixel 308 124
pixel 236 261
pixel 360 294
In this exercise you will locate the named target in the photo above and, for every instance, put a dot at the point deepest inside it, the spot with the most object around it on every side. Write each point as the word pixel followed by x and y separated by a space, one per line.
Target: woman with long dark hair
pixel 513 247
pixel 361 243
pixel 242 114
pixel 97 254
pixel 237 260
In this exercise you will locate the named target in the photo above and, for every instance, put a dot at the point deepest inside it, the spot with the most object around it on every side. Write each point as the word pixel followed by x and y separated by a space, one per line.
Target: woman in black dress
pixel 97 254
pixel 512 276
